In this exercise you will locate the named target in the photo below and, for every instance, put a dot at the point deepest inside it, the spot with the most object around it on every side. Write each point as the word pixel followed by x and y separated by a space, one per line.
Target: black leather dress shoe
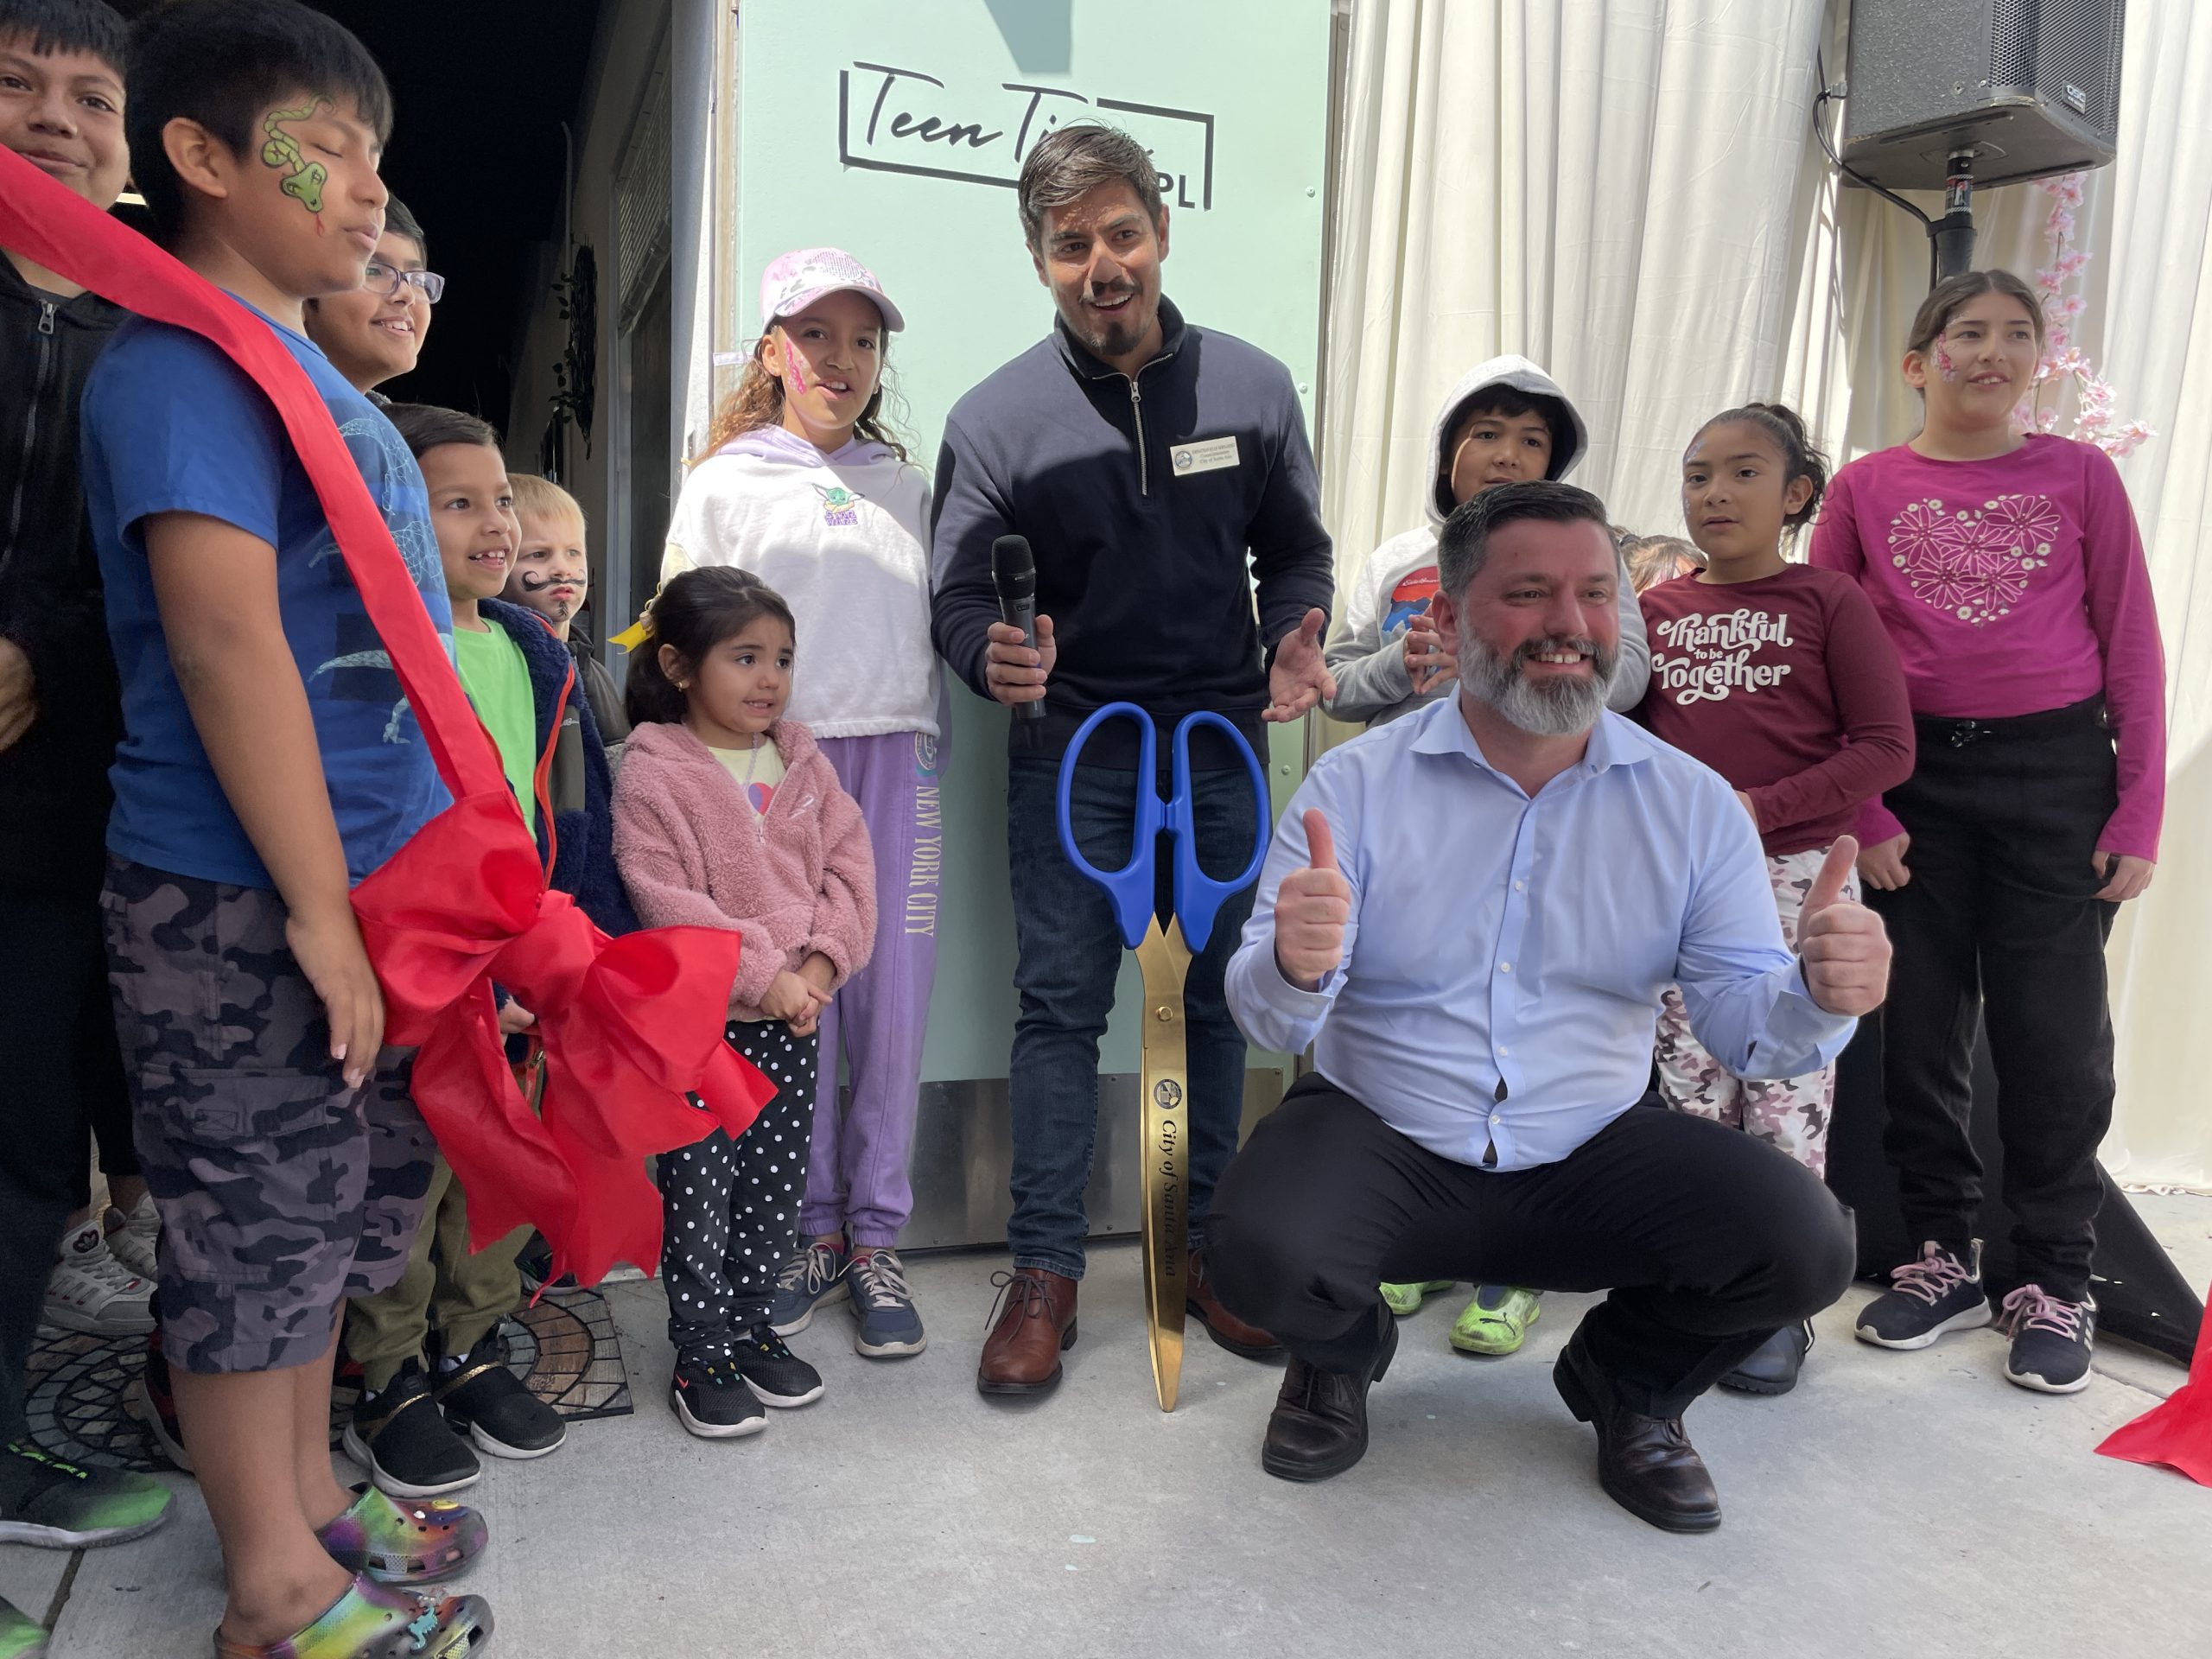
pixel 1646 1464
pixel 1772 1368
pixel 1319 1425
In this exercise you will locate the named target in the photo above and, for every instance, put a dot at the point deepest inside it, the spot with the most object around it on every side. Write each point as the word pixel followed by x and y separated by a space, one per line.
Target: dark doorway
pixel 480 91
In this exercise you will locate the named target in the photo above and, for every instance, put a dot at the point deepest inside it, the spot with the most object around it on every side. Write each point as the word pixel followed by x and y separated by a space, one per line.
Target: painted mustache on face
pixel 534 583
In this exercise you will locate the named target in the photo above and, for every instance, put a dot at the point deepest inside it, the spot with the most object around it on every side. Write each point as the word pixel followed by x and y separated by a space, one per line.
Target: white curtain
pixel 1629 192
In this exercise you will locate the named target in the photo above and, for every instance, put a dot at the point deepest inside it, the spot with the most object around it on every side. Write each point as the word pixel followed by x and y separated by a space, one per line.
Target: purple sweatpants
pixel 857 1174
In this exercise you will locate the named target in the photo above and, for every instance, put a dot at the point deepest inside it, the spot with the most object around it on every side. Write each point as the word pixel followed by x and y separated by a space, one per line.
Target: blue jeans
pixel 1069 954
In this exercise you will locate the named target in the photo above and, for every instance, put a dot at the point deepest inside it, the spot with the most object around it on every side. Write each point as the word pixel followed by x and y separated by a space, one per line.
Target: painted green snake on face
pixel 305 183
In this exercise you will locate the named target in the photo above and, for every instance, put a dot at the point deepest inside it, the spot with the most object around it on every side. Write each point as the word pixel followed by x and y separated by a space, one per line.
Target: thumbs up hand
pixel 1845 951
pixel 1311 907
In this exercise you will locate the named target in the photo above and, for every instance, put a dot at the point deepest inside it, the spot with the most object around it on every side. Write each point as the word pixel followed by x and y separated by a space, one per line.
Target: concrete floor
pixel 1896 1505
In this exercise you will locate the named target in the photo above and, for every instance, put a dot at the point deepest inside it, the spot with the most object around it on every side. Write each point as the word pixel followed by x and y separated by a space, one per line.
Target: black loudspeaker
pixel 2030 87
pixel 2140 1294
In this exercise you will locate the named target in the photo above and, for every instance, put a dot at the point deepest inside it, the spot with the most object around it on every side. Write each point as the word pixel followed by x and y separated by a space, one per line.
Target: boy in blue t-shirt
pixel 269 762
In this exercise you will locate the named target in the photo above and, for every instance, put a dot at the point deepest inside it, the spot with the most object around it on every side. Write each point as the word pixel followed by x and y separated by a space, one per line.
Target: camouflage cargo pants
pixel 281 1192
pixel 1790 1113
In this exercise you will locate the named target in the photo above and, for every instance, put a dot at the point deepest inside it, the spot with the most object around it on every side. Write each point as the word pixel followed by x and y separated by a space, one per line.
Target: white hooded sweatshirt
pixel 1365 650
pixel 844 539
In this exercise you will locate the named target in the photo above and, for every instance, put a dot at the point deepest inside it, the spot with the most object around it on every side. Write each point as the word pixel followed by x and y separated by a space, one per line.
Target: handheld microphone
pixel 1013 573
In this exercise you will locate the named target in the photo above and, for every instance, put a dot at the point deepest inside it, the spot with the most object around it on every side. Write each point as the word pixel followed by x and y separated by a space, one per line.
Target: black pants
pixel 61 1071
pixel 1710 1241
pixel 2000 923
pixel 729 1208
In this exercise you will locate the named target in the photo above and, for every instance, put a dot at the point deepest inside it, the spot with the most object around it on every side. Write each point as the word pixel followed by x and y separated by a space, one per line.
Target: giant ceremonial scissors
pixel 1165 960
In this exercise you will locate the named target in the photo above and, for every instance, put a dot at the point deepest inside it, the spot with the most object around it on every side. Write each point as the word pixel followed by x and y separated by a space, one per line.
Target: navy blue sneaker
pixel 816 1275
pixel 1940 1292
pixel 2052 1339
pixel 889 1328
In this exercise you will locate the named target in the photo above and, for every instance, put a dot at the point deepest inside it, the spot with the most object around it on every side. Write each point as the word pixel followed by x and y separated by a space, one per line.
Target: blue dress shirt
pixel 1505 957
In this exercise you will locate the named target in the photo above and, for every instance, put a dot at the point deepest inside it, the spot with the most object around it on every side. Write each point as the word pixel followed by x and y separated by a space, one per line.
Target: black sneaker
pixel 400 1437
pixel 489 1403
pixel 1926 1297
pixel 535 1261
pixel 779 1377
pixel 2051 1340
pixel 710 1399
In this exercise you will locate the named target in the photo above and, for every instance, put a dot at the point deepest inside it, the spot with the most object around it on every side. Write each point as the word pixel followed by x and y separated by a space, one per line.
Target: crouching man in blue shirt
pixel 1471 914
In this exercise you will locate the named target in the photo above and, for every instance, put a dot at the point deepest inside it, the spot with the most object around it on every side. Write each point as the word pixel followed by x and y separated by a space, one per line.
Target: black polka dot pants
pixel 729 1208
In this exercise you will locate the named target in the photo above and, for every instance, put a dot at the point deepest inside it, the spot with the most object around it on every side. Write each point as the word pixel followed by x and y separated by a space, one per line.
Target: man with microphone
pixel 1471 914
pixel 1156 470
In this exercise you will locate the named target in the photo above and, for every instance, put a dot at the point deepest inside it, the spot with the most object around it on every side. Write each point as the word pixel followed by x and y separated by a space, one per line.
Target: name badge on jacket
pixel 1204 456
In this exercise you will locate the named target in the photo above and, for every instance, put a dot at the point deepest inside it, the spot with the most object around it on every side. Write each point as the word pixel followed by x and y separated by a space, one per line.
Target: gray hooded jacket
pixel 1365 650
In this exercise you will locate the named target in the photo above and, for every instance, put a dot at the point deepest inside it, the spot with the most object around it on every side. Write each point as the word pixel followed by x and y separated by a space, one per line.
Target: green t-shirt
pixel 497 680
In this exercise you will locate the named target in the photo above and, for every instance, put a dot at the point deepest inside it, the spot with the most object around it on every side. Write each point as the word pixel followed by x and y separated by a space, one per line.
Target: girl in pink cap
pixel 805 485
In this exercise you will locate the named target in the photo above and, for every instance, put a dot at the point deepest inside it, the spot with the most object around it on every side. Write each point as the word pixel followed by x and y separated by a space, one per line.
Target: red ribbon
pixel 2177 1432
pixel 631 1025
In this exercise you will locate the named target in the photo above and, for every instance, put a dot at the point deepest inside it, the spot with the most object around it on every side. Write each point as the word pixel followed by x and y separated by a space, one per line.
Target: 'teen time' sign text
pixel 892 120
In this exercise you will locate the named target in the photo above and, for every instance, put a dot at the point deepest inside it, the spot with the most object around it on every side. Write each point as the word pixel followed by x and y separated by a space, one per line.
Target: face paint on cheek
pixel 305 180
pixel 793 372
pixel 1944 366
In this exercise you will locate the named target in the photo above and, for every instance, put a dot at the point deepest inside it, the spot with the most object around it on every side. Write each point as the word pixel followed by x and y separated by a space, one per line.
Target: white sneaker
pixel 92 1292
pixel 130 1240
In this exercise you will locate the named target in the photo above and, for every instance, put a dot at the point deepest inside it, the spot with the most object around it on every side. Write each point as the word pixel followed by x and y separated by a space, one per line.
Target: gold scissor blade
pixel 1165 961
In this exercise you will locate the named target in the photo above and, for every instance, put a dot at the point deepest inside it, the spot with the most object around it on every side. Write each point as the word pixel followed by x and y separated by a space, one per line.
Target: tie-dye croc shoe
pixel 376 1621
pixel 410 1540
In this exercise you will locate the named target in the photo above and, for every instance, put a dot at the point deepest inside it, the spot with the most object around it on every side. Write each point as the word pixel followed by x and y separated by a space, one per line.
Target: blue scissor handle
pixel 1130 886
pixel 1198 897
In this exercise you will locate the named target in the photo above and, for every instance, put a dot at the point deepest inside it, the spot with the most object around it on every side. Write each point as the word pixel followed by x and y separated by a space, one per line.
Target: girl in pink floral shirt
pixel 2010 575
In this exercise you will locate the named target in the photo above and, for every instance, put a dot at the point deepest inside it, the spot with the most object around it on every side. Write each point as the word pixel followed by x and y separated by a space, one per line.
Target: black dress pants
pixel 2000 924
pixel 1709 1241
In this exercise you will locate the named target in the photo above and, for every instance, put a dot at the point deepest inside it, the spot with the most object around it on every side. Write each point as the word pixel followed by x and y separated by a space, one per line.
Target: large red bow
pixel 631 1024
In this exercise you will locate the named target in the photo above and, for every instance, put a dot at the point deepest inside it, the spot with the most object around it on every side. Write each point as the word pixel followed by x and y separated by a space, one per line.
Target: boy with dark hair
pixel 1506 421
pixel 268 763
pixel 61 101
pixel 432 1356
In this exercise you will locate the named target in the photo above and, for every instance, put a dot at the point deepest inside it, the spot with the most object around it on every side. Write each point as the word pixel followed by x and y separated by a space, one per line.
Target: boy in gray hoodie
pixel 1506 419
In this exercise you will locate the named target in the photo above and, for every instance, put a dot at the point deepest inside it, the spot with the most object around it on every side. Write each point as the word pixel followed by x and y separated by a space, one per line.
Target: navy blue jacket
pixel 576 791
pixel 1152 505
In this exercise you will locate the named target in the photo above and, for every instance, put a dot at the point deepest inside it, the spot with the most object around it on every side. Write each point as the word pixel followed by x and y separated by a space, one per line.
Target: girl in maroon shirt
pixel 2009 572
pixel 1781 678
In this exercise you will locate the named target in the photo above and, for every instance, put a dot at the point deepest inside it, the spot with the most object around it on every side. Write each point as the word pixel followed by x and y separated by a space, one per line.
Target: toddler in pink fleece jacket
pixel 727 815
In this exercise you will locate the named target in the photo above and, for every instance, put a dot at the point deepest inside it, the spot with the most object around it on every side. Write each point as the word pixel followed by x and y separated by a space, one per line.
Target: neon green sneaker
pixel 1497 1322
pixel 1405 1299
pixel 59 1506
pixel 21 1636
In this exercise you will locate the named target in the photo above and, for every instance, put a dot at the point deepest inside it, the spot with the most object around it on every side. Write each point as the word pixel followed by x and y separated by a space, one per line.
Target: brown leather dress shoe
pixel 1646 1464
pixel 1246 1341
pixel 1032 1325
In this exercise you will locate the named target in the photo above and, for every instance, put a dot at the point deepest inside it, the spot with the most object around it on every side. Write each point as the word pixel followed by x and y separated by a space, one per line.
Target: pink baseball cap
pixel 796 280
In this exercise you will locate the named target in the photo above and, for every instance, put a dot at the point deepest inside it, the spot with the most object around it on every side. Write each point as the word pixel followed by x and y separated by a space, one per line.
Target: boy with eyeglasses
pixel 375 333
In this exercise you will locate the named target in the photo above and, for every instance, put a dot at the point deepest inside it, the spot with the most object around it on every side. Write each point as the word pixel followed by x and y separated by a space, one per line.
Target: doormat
pixel 565 1350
